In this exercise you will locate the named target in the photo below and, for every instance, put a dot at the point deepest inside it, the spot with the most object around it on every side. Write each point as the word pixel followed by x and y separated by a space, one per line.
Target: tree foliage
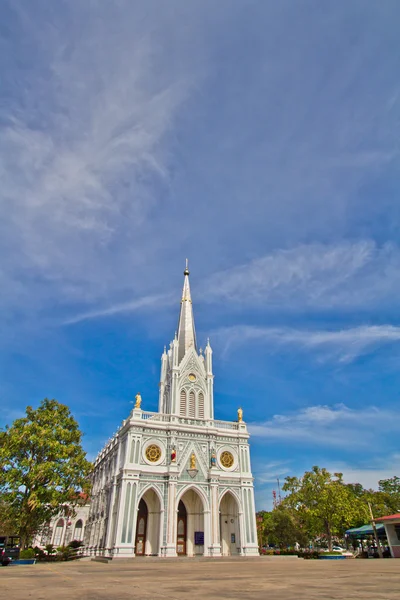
pixel 42 466
pixel 390 490
pixel 324 504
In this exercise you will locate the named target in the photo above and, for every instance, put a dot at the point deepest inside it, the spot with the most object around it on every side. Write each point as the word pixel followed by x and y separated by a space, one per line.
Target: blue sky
pixel 257 138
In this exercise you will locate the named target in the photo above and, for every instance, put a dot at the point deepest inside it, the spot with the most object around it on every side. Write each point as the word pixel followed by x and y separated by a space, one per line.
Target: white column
pixel 170 547
pixel 122 549
pixel 110 522
pixel 215 547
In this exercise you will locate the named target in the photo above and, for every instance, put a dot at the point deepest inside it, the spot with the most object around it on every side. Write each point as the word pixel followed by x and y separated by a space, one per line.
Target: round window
pixel 226 459
pixel 153 453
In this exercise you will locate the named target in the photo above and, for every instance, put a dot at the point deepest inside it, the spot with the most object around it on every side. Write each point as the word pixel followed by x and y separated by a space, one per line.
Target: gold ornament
pixel 240 415
pixel 138 399
pixel 226 459
pixel 153 453
pixel 193 461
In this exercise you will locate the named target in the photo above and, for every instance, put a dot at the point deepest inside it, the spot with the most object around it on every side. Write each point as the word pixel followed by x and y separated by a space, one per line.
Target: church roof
pixel 186 331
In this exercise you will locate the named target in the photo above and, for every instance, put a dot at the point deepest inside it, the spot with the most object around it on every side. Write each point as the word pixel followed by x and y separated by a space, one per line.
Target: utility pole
pixel 375 531
pixel 279 491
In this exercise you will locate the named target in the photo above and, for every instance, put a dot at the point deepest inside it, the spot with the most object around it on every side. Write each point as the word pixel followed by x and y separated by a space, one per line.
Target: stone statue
pixel 138 399
pixel 240 415
pixel 213 459
pixel 193 461
pixel 173 454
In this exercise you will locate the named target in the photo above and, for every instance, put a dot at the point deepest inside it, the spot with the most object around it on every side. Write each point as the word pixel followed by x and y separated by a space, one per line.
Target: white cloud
pixel 329 426
pixel 343 345
pixel 370 472
pixel 323 276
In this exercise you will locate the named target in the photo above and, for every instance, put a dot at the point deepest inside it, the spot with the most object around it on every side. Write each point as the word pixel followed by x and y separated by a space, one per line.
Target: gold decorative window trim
pixel 227 459
pixel 153 453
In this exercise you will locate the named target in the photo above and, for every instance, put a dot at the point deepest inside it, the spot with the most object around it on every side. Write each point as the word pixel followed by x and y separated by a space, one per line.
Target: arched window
pixel 182 409
pixel 200 405
pixel 78 533
pixel 58 532
pixel 192 405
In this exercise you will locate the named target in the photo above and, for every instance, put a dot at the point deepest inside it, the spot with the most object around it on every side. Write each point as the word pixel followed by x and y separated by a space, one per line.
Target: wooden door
pixel 141 528
pixel 181 530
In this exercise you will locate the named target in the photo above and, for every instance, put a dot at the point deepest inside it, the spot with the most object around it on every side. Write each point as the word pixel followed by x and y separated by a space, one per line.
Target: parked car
pixel 8 554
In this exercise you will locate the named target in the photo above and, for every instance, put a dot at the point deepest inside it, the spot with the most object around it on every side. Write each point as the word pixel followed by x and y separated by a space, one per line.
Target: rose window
pixel 153 453
pixel 226 459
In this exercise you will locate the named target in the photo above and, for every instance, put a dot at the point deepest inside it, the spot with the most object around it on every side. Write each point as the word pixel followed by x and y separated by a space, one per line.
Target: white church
pixel 176 482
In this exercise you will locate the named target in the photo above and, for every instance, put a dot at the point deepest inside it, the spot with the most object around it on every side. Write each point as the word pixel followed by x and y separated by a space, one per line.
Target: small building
pixel 67 526
pixel 392 528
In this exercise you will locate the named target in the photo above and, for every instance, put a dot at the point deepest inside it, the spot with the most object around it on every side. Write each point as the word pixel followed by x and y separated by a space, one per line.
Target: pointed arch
pixel 198 490
pixel 59 528
pixel 155 489
pixel 78 530
pixel 149 523
pixel 234 493
pixel 230 533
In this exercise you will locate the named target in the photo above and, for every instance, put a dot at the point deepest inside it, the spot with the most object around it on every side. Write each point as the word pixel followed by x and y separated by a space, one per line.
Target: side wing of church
pixel 176 482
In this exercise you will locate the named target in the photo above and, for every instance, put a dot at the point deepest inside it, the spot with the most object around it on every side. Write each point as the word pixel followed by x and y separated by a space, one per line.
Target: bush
pixel 308 555
pixel 49 549
pixel 63 552
pixel 75 544
pixel 39 553
pixel 28 553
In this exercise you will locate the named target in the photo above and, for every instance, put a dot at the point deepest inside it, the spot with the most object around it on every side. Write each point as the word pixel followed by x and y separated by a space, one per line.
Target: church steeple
pixel 186 331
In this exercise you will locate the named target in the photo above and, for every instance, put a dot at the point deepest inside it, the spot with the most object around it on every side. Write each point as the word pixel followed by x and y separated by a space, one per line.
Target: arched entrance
pixel 229 525
pixel 148 525
pixel 190 524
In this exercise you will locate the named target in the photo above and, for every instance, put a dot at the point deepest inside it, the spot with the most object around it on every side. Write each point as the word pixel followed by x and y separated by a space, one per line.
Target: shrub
pixel 75 544
pixel 39 553
pixel 63 552
pixel 49 549
pixel 28 553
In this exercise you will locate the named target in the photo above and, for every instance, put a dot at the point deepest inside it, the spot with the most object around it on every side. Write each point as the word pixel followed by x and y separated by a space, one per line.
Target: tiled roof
pixel 389 517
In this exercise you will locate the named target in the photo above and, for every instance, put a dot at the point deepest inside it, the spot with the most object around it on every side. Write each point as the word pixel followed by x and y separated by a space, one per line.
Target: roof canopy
pixel 360 532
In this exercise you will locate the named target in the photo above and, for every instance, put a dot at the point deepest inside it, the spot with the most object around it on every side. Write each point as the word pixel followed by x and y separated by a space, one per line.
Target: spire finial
pixel 186 271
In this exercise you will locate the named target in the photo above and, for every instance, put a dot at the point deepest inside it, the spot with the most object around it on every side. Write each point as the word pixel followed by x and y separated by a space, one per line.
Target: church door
pixel 181 530
pixel 141 528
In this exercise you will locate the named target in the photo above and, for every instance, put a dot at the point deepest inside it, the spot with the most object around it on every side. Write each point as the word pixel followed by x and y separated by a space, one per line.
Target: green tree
pixel 324 504
pixel 284 529
pixel 42 467
pixel 390 488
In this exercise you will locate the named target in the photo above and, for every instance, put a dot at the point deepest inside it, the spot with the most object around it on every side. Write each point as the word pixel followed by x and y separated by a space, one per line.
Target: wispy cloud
pixel 82 172
pixel 343 345
pixel 323 276
pixel 131 306
pixel 329 426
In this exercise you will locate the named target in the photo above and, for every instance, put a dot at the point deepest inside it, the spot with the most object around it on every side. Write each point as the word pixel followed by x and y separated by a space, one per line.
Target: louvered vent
pixel 182 408
pixel 200 406
pixel 192 410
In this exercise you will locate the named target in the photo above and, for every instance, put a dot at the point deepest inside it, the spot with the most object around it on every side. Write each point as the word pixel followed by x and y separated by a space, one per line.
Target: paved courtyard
pixel 192 579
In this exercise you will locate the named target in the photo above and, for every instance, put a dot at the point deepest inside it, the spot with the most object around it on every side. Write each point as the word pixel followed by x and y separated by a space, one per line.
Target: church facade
pixel 176 482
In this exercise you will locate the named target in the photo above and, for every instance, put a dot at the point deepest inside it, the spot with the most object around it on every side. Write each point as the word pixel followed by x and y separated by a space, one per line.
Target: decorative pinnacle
pixel 186 271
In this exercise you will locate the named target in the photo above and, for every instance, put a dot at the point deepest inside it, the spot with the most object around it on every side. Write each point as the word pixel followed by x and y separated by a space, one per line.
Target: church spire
pixel 186 330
